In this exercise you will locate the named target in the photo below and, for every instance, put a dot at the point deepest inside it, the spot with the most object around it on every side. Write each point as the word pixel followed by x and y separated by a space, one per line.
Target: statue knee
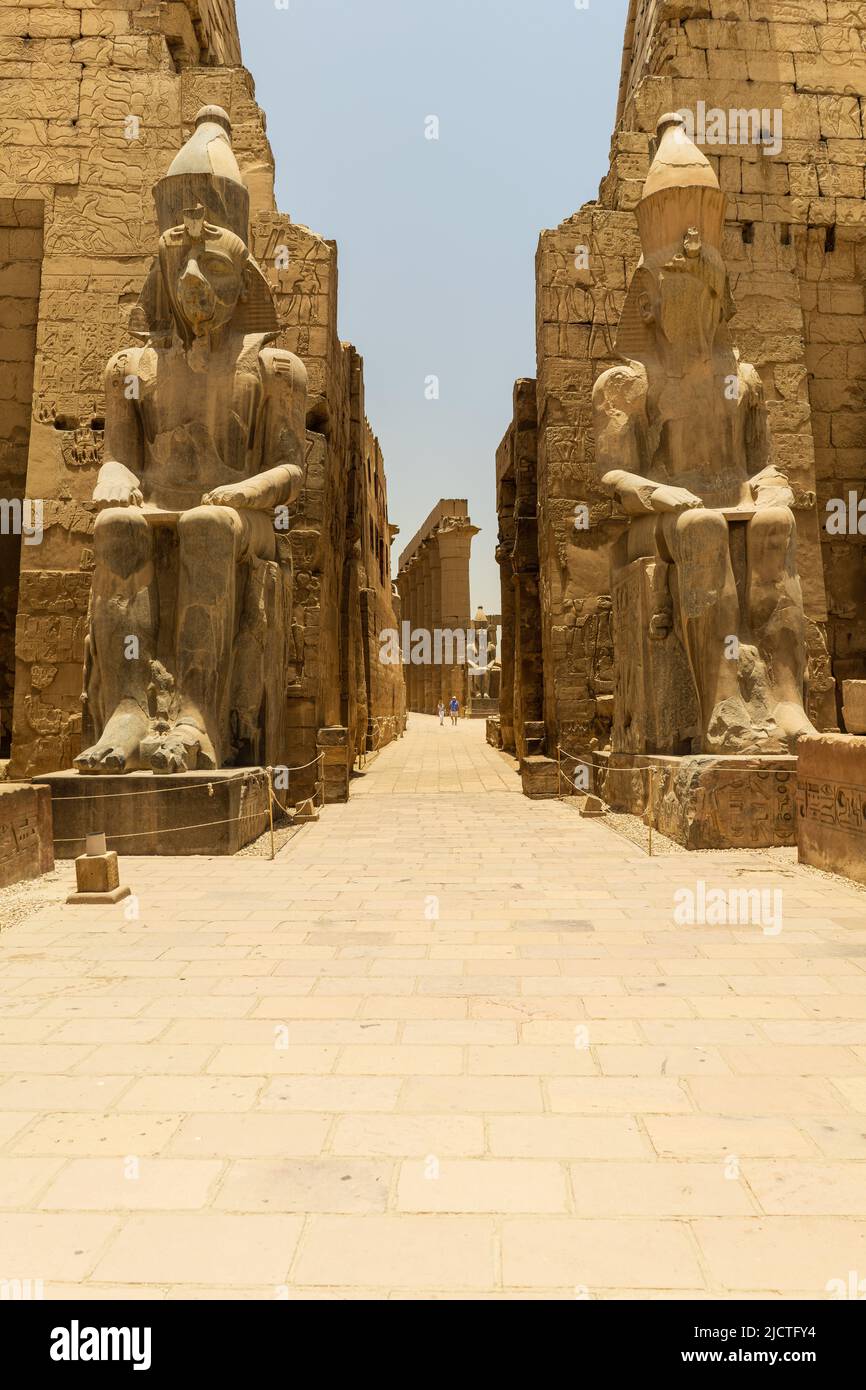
pixel 121 540
pixel 771 533
pixel 210 530
pixel 773 522
pixel 700 537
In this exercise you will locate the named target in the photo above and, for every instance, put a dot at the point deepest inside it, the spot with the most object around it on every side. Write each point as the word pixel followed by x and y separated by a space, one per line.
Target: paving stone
pixel 581 1095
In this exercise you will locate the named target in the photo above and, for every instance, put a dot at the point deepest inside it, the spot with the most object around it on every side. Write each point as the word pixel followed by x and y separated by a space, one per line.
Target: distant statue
pixel 205 431
pixel 482 660
pixel 683 444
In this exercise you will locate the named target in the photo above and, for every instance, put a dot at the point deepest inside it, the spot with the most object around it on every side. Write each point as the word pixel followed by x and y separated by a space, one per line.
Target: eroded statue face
pixel 683 298
pixel 206 269
pixel 209 287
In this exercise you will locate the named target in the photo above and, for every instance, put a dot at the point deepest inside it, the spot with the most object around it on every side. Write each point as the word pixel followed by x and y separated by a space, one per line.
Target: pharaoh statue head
pixel 680 295
pixel 204 277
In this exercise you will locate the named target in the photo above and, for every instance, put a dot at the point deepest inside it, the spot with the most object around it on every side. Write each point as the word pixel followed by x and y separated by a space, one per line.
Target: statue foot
pixel 792 722
pixel 732 730
pixel 119 749
pixel 184 749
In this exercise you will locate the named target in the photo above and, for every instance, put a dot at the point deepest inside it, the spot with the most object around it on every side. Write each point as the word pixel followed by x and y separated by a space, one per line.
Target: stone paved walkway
pixel 451 1043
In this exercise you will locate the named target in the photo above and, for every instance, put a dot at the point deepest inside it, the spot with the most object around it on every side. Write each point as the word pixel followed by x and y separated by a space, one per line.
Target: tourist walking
pixel 440 710
pixel 455 710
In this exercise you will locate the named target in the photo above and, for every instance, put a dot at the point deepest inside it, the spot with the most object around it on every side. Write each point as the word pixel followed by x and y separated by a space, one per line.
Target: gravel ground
pixel 261 848
pixel 632 828
pixel 23 899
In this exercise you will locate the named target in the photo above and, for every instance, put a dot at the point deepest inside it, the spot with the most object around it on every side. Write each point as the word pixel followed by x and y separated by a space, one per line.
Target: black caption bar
pixel 159 1338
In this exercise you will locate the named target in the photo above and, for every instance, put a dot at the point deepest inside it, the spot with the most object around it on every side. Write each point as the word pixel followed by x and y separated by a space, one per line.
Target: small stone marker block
pixel 854 709
pixel 98 880
pixel 305 812
pixel 593 806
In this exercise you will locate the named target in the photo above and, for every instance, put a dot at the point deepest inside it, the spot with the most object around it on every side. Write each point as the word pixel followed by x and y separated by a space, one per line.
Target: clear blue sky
pixel 437 238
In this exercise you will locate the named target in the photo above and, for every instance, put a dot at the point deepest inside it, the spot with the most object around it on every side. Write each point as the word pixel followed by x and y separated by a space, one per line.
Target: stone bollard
pixel 97 875
pixel 305 812
pixel 854 709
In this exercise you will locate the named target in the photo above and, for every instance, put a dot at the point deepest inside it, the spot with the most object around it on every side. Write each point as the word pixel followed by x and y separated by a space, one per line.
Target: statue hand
pixel 674 499
pixel 231 495
pixel 117 492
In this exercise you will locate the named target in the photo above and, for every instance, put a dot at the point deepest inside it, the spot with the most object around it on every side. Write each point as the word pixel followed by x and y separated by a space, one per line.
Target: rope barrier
pixel 580 790
pixel 632 769
pixel 610 769
pixel 166 791
pixel 377 720
pixel 156 791
pixel 255 775
pixel 163 830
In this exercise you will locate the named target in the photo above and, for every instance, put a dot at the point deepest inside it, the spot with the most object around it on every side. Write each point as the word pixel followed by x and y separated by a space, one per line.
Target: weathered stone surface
pixel 521 686
pixel 181 814
pixel 831 819
pixel 724 802
pixel 335 764
pixel 854 708
pixel 683 444
pixel 97 878
pixel 191 608
pixel 433 589
pixel 109 95
pixel 25 833
pixel 793 242
pixel 539 776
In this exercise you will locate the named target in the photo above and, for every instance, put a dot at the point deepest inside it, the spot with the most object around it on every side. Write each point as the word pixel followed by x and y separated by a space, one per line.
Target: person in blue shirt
pixel 455 709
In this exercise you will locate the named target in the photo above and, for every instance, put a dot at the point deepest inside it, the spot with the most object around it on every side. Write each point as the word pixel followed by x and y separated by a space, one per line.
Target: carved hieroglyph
pixel 204 444
pixel 684 446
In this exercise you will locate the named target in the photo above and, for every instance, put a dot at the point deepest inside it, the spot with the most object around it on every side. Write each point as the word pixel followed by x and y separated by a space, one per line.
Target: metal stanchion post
pixel 652 777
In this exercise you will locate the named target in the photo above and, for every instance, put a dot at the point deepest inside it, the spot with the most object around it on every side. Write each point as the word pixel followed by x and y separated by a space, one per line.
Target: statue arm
pixel 770 488
pixel 619 407
pixel 118 482
pixel 769 485
pixel 759 447
pixel 285 385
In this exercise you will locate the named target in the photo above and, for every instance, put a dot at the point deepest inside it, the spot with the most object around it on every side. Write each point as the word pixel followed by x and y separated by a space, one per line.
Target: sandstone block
pixel 854 708
pixel 831 821
pixel 26 848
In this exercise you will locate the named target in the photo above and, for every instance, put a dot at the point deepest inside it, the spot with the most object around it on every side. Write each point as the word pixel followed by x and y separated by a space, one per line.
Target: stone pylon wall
pixel 521 699
pixel 795 246
pixel 95 101
pixel 21 238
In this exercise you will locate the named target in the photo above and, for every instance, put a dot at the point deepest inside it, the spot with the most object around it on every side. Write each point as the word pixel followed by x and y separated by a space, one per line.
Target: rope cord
pixel 162 830
pixel 185 787
pixel 607 767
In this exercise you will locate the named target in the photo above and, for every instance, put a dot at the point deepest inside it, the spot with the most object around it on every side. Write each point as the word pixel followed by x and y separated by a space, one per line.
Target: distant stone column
pixel 412 573
pixel 436 673
pixel 455 544
pixel 506 689
pixel 426 671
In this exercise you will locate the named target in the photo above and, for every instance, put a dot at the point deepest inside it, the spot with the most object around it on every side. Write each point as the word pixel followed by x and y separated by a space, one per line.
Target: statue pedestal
pixel 207 813
pixel 831 819
pixel 704 801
